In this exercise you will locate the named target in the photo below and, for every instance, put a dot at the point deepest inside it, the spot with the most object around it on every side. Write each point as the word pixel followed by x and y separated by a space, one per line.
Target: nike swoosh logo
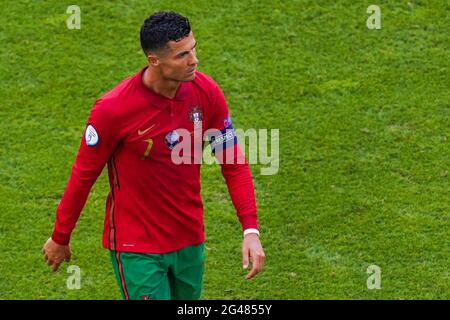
pixel 144 131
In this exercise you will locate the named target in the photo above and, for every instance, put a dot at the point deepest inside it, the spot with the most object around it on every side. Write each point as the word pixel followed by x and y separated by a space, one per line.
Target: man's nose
pixel 193 61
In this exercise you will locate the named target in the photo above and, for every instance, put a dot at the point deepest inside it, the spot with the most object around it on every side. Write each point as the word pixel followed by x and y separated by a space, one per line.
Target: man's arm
pixel 97 144
pixel 240 187
pixel 236 172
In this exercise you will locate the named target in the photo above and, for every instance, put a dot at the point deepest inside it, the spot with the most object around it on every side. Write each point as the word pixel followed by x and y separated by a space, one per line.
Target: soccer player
pixel 154 214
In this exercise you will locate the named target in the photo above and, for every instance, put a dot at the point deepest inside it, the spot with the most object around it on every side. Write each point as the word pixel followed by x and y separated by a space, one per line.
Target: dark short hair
pixel 162 27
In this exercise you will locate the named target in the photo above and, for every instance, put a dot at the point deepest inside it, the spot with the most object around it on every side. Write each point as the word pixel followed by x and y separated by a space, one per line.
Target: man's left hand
pixel 252 250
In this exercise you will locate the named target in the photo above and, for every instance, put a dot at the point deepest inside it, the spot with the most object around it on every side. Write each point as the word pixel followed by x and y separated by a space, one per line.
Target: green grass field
pixel 364 142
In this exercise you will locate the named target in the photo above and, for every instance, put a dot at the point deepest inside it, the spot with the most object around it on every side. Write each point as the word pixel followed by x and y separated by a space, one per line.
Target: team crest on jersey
pixel 172 139
pixel 196 116
pixel 91 136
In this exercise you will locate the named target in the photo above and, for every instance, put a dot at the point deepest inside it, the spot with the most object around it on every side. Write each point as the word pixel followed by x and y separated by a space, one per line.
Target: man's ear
pixel 153 60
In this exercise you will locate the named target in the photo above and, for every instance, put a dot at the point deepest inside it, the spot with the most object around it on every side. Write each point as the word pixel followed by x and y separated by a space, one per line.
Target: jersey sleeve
pixel 98 143
pixel 234 166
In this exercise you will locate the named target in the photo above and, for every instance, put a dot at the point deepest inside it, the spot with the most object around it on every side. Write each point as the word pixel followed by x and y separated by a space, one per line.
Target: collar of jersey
pixel 159 100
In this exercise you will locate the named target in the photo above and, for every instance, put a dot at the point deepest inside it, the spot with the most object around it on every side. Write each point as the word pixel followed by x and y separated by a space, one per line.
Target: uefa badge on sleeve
pixel 172 139
pixel 227 122
pixel 91 136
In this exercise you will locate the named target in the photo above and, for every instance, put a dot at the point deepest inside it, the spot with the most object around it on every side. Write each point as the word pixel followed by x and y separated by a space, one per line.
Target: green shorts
pixel 176 275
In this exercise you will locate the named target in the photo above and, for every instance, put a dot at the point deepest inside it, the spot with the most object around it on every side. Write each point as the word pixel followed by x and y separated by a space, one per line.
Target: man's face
pixel 179 61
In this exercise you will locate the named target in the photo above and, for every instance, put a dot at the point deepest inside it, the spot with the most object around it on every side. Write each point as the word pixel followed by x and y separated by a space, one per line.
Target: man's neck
pixel 163 87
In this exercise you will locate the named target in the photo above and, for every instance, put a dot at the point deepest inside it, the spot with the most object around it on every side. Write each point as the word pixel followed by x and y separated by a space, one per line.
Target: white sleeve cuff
pixel 248 231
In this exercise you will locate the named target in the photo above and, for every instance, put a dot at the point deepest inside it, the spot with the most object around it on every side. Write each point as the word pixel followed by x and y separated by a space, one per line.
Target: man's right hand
pixel 55 253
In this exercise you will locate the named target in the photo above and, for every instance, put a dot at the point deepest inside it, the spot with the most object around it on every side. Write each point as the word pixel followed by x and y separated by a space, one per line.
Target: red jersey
pixel 154 204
